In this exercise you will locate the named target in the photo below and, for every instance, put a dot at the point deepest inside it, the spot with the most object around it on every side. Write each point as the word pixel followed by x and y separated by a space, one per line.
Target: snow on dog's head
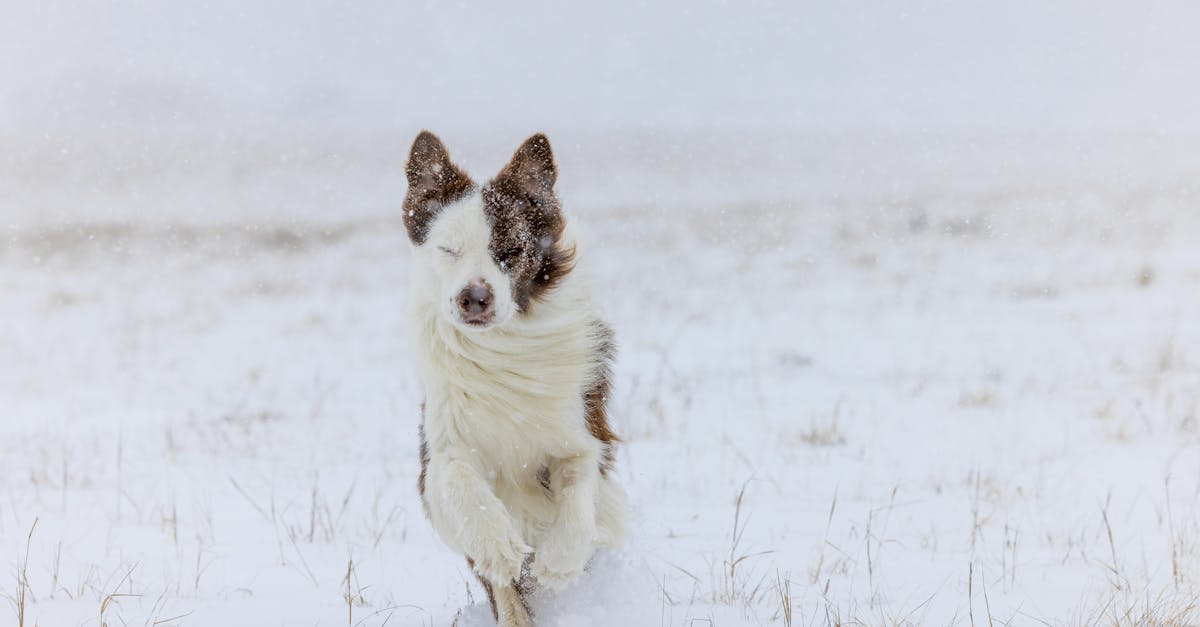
pixel 485 254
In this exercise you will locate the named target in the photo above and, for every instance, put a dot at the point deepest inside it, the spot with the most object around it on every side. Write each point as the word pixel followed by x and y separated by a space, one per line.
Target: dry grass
pixel 352 591
pixel 23 590
pixel 824 430
pixel 1167 608
pixel 815 574
pixel 734 583
pixel 823 435
pixel 783 588
pixel 113 598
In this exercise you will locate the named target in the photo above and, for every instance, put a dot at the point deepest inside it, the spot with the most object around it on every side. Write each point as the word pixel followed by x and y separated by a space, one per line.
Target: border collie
pixel 516 450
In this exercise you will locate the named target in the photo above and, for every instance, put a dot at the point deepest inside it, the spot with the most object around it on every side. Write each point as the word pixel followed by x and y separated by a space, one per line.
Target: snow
pixel 218 417
pixel 927 308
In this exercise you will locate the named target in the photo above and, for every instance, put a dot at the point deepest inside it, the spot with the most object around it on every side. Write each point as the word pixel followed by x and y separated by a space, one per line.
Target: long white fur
pixel 502 403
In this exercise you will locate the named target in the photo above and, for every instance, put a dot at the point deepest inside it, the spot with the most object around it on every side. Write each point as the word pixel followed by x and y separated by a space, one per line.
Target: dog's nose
pixel 475 300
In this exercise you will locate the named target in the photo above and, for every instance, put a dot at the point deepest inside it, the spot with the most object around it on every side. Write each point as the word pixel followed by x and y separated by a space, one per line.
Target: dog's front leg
pixel 471 518
pixel 568 543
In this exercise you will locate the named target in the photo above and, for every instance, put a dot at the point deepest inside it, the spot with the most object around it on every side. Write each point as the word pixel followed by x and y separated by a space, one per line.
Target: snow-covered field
pixel 878 380
pixel 905 295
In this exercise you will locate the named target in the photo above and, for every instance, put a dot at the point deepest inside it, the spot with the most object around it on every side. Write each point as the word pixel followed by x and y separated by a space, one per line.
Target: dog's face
pixel 485 254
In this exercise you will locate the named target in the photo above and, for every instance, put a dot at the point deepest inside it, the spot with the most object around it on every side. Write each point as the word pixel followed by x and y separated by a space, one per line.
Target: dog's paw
pixel 554 578
pixel 499 560
pixel 561 558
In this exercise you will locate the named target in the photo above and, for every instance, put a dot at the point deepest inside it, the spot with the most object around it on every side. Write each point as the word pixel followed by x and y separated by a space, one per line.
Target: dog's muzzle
pixel 476 303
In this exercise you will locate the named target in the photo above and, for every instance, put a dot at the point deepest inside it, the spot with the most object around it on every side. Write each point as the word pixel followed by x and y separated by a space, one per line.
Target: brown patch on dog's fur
pixel 433 182
pixel 487 588
pixel 595 398
pixel 524 586
pixel 527 222
pixel 423 453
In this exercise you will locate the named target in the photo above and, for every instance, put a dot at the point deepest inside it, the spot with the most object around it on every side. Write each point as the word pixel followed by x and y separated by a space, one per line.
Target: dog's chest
pixel 509 438
pixel 508 413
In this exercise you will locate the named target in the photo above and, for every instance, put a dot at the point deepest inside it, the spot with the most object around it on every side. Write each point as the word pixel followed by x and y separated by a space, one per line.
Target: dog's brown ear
pixel 433 182
pixel 531 173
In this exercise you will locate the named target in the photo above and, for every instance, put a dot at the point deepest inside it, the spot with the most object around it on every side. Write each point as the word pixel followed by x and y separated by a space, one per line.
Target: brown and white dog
pixel 516 451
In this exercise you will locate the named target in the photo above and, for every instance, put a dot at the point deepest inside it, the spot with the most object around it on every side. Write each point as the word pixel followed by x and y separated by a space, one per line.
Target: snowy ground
pixel 949 381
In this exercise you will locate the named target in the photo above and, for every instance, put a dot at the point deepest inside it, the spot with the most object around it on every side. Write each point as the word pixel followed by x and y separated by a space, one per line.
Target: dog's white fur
pixel 503 402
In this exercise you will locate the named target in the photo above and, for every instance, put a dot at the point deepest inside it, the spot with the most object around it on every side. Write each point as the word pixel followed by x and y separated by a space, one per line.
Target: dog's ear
pixel 532 173
pixel 433 182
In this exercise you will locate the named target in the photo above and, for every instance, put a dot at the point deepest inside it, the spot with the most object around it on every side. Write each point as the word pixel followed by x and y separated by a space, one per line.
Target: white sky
pixel 861 64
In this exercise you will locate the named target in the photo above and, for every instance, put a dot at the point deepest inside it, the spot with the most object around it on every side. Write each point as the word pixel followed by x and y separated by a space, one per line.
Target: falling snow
pixel 904 297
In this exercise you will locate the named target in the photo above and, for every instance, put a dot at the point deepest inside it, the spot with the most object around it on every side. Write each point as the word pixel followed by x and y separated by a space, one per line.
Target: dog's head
pixel 485 254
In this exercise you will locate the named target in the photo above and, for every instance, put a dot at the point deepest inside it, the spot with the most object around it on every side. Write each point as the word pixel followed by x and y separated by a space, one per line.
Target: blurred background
pixel 736 100
pixel 284 66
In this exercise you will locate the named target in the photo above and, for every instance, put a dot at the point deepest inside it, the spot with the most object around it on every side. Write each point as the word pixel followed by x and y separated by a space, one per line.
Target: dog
pixel 515 447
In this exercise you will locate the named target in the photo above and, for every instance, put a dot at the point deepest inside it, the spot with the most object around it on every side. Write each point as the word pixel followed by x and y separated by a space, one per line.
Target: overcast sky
pixel 862 64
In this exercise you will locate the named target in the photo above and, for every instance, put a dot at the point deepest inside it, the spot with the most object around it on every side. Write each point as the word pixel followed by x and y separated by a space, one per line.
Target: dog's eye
pixel 509 256
pixel 453 253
